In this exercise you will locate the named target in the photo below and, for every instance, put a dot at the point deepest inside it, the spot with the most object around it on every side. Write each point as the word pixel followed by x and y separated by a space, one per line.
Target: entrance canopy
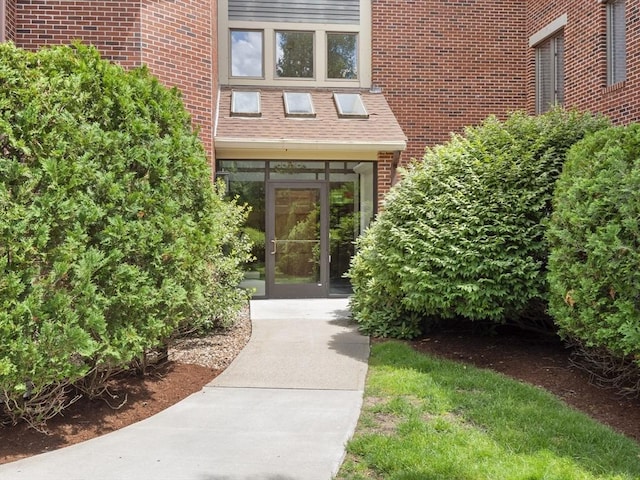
pixel 319 124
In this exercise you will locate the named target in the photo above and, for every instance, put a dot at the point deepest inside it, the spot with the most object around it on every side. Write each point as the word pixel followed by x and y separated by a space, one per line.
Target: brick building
pixel 307 107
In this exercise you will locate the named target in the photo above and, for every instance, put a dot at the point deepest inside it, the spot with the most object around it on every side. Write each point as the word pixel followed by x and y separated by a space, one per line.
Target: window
pixel 294 54
pixel 550 73
pixel 298 104
pixel 349 105
pixel 616 42
pixel 342 55
pixel 3 25
pixel 246 53
pixel 245 104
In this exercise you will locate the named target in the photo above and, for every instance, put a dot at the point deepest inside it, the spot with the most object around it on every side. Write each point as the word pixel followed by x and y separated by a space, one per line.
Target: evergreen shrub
pixel 462 235
pixel 594 238
pixel 111 233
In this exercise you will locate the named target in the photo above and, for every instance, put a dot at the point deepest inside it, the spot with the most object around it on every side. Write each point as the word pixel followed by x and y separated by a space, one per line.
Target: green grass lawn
pixel 426 418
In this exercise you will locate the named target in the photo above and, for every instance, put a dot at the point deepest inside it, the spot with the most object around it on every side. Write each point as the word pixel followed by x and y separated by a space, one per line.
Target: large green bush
pixel 594 237
pixel 463 233
pixel 111 233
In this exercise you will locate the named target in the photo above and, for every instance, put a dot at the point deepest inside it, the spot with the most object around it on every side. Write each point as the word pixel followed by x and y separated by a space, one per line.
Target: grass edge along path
pixel 426 418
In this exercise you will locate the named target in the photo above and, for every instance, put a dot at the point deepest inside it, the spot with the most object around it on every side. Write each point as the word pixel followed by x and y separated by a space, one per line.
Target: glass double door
pixel 297 233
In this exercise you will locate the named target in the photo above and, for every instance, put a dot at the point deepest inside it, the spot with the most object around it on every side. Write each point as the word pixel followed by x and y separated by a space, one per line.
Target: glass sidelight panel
pixel 246 182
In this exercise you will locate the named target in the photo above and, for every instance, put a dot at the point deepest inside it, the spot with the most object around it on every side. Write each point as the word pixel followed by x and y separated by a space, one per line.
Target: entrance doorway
pixel 297 233
pixel 303 221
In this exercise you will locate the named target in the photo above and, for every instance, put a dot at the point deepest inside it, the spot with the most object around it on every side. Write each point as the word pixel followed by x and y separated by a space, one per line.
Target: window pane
pixel 298 104
pixel 350 105
pixel 550 73
pixel 559 70
pixel 342 55
pixel 294 54
pixel 616 42
pixel 245 103
pixel 246 181
pixel 246 53
pixel 543 74
pixel 296 171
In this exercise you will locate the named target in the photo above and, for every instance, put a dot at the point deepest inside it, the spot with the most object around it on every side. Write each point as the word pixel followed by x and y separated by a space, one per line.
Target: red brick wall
pixel 173 37
pixel 113 26
pixel 178 46
pixel 444 65
pixel 585 57
pixel 386 174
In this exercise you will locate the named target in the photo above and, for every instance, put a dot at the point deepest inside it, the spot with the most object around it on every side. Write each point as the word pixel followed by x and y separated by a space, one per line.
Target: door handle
pixel 275 248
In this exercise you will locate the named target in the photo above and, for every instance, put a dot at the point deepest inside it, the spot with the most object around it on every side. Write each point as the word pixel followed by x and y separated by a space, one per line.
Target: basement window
pixel 245 104
pixel 350 105
pixel 298 104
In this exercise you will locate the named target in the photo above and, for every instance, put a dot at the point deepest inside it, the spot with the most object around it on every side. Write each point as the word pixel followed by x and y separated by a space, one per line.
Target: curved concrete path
pixel 283 410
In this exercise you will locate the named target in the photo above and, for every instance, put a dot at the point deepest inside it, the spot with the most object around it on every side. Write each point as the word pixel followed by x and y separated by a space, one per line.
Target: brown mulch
pixel 87 419
pixel 522 356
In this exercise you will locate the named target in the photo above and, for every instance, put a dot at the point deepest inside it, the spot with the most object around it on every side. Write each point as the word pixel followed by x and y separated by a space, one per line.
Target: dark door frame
pixel 308 290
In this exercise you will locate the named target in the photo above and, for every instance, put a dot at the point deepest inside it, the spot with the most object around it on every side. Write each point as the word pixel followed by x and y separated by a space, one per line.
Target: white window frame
pixel 350 105
pixel 298 104
pixel 616 43
pixel 239 106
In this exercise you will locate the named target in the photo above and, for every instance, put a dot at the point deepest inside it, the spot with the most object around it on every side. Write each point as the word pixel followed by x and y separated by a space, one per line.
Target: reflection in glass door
pixel 296 233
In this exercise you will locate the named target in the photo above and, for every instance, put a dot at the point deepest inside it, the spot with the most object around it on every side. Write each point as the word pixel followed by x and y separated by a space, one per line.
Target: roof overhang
pixel 241 148
pixel 274 136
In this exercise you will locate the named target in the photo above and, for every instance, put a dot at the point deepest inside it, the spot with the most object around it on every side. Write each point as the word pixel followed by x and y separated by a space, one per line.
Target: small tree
pixel 111 234
pixel 594 235
pixel 463 233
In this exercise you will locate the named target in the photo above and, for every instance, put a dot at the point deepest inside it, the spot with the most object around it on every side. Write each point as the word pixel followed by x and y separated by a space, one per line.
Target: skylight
pixel 297 104
pixel 349 105
pixel 245 104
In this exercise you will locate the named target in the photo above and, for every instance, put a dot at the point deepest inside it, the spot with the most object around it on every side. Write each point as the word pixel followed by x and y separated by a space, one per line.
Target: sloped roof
pixel 273 135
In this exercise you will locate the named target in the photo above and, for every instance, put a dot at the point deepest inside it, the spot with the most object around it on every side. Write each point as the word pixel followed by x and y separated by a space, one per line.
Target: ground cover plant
pixel 462 235
pixel 427 418
pixel 112 236
pixel 594 236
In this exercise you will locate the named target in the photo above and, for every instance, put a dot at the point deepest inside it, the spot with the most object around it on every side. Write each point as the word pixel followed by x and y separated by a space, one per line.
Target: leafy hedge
pixel 111 234
pixel 463 233
pixel 594 236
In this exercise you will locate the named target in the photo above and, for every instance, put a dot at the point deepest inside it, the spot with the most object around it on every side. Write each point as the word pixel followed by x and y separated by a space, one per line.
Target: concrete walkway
pixel 283 410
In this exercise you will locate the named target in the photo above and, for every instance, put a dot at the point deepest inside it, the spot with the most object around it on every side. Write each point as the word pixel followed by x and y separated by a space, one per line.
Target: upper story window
pixel 342 55
pixel 289 43
pixel 616 42
pixel 550 73
pixel 294 54
pixel 548 45
pixel 247 59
